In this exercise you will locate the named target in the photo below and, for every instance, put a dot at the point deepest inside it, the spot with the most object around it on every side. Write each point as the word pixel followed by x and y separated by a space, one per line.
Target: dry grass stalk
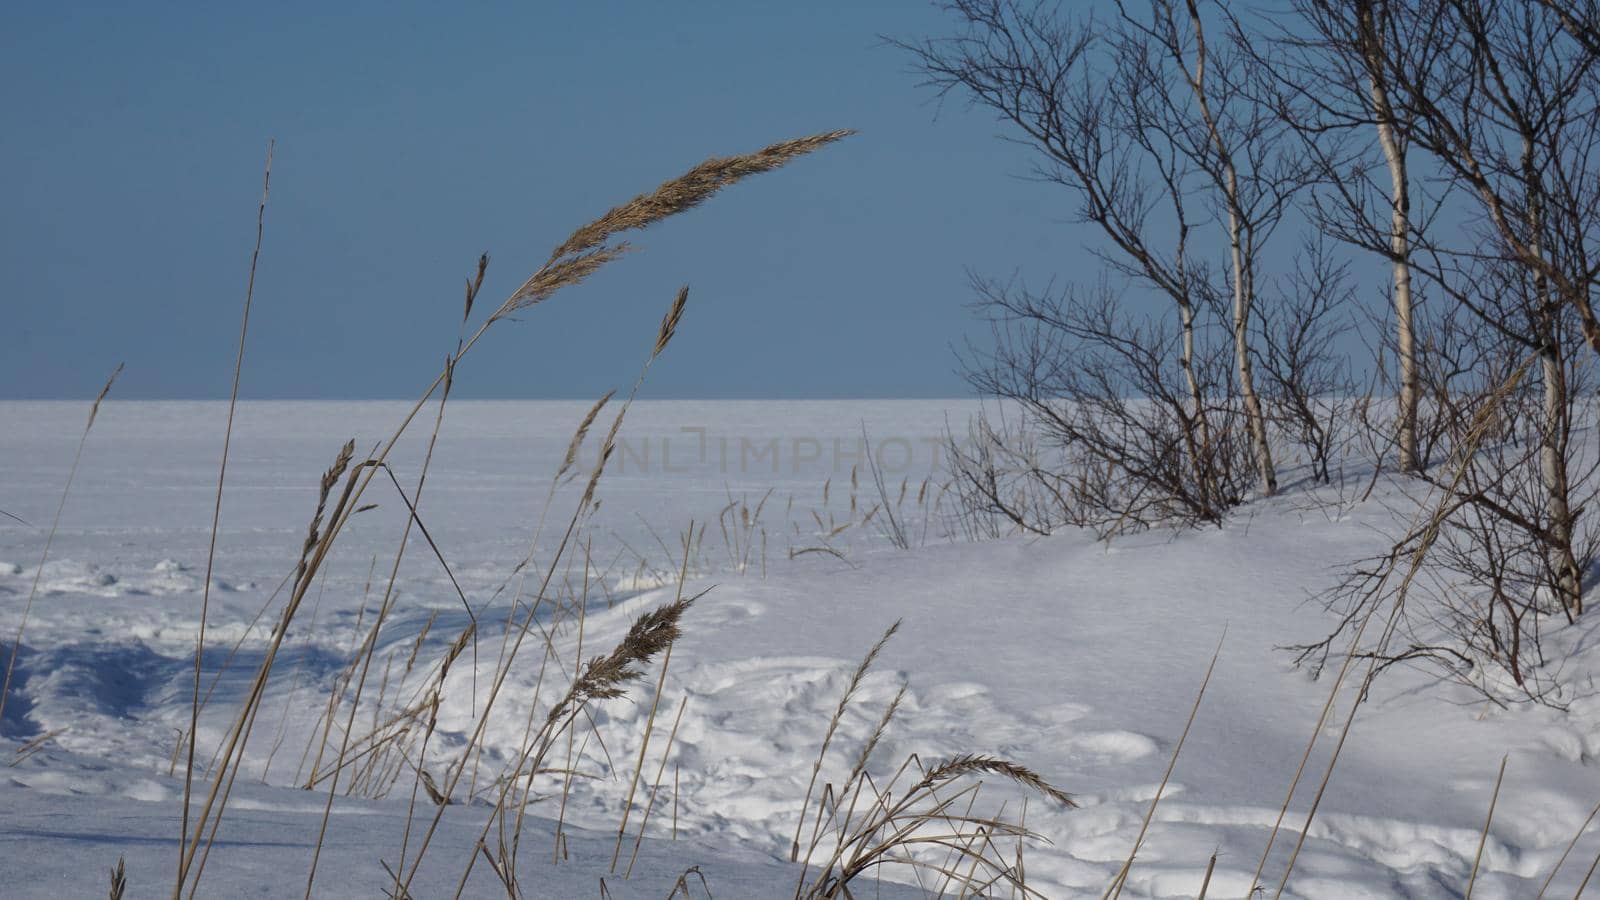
pixel 474 285
pixel 1022 822
pixel 607 677
pixel 389 891
pixel 1567 852
pixel 433 790
pixel 584 253
pixel 519 571
pixel 535 747
pixel 500 873
pixel 216 517
pixel 299 684
pixel 669 322
pixel 602 678
pixel 521 801
pixel 672 197
pixel 1584 884
pixel 119 879
pixel 1425 536
pixel 1205 883
pixel 682 884
pixel 583 615
pixel 331 477
pixel 44 555
pixel 556 275
pixel 571 456
pixel 33 746
pixel 394 734
pixel 385 606
pixel 893 827
pixel 341 683
pixel 973 764
pixel 661 683
pixel 833 726
pixel 416 645
pixel 1115 889
pixel 227 663
pixel 1483 838
pixel 603 674
pixel 655 788
pixel 961 849
pixel 865 755
pixel 609 445
pixel 231 754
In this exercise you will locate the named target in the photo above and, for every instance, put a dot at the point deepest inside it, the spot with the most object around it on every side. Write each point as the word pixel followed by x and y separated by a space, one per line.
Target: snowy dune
pixel 1076 658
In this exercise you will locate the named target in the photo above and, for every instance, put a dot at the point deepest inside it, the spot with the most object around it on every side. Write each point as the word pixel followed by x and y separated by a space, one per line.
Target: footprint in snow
pixel 1112 746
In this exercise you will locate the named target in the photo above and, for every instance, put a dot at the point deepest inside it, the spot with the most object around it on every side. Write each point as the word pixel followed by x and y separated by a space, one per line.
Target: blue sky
pixel 410 137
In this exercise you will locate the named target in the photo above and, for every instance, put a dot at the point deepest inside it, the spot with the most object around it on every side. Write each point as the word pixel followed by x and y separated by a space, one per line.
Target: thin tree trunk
pixel 1243 275
pixel 1553 472
pixel 1554 427
pixel 1243 300
pixel 1198 439
pixel 1405 323
pixel 1199 452
pixel 1399 243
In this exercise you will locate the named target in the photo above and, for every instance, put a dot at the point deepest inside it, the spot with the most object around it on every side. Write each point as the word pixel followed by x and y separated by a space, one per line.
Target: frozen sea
pixel 1076 657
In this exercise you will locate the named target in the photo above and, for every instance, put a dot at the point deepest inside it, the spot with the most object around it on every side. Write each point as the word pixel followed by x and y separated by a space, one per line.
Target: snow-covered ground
pixel 1076 658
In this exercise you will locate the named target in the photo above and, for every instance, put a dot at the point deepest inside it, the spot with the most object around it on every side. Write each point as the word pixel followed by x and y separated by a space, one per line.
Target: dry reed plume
pixel 607 677
pixel 582 254
pixel 971 764
pixel 690 189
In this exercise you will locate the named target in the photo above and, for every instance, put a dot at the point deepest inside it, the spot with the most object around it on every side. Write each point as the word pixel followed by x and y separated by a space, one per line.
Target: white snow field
pixel 1076 658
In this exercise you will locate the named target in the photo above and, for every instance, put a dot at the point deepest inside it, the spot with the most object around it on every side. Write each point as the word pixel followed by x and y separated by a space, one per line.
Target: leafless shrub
pixel 1505 555
pixel 1120 445
pixel 1161 126
pixel 1309 391
pixel 998 483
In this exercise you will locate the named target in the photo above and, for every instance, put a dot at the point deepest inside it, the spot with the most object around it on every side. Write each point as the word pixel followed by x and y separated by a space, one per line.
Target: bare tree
pixel 1238 131
pixel 1038 73
pixel 1501 554
pixel 1510 108
pixel 1370 28
pixel 1455 140
pixel 1579 18
pixel 1332 67
pixel 1000 482
pixel 1157 134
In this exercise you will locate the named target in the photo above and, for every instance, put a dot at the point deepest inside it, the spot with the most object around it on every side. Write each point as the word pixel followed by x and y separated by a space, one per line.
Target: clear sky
pixel 412 136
